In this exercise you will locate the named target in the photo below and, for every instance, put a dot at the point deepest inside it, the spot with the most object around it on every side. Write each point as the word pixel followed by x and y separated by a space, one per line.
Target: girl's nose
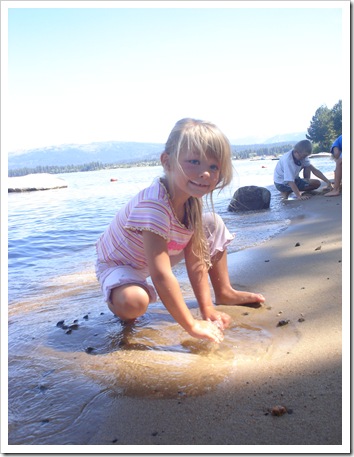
pixel 205 174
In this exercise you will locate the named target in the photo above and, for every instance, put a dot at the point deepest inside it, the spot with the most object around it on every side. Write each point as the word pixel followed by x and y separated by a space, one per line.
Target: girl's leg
pixel 129 301
pixel 225 294
pixel 337 180
pixel 219 237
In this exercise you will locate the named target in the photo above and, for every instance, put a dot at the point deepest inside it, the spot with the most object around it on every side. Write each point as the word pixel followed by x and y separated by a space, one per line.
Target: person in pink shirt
pixel 163 224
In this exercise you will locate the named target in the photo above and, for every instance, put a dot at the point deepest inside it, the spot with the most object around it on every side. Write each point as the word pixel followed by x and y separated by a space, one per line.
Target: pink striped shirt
pixel 150 209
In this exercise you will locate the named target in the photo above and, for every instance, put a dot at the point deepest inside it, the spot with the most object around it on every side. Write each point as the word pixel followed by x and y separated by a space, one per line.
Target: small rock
pixel 297 244
pixel 86 317
pixel 266 260
pixel 42 388
pixel 60 323
pixel 278 410
pixel 301 319
pixel 89 350
pixel 283 322
pixel 73 326
pixel 318 248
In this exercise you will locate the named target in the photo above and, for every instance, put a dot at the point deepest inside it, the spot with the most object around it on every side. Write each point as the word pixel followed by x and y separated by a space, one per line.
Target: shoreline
pixel 298 282
pixel 301 371
pixel 305 379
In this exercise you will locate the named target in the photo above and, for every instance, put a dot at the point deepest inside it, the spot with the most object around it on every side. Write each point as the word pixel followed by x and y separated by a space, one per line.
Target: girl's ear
pixel 165 161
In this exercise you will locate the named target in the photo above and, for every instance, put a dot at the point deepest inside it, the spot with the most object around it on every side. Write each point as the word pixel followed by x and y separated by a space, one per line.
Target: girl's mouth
pixel 201 186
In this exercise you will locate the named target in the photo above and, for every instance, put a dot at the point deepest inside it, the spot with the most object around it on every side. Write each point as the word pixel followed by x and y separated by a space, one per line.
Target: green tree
pixel 337 118
pixel 325 127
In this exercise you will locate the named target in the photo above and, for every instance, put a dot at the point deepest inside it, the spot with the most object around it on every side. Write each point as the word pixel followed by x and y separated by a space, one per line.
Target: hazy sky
pixel 129 70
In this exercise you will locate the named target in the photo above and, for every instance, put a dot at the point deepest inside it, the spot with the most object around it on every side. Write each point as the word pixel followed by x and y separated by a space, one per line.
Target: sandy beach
pixel 300 273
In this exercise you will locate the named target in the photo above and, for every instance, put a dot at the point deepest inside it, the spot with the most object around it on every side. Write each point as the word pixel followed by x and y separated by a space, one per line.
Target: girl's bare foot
pixel 238 298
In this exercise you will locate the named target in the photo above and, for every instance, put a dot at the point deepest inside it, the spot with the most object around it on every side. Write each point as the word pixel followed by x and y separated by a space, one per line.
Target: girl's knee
pixel 129 302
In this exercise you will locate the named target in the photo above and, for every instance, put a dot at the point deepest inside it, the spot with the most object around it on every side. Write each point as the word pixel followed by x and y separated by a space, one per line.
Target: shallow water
pixel 56 375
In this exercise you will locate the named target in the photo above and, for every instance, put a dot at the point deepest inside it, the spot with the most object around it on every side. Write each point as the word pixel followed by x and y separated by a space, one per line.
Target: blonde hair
pixel 303 147
pixel 206 139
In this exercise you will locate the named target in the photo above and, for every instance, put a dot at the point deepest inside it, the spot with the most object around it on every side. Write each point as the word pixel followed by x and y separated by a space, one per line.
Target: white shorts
pixel 120 275
pixel 112 276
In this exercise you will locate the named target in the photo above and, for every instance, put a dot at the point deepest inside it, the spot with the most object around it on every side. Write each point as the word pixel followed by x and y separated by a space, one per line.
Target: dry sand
pixel 300 274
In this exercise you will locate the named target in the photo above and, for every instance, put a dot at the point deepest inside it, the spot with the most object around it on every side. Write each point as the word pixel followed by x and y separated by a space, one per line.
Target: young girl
pixel 164 223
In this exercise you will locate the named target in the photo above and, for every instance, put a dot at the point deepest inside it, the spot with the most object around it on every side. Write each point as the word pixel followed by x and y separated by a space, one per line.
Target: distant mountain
pixel 287 137
pixel 248 140
pixel 283 138
pixel 74 154
pixel 109 152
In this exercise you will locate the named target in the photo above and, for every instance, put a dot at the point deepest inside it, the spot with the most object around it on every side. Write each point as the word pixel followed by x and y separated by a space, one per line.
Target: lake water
pixel 51 255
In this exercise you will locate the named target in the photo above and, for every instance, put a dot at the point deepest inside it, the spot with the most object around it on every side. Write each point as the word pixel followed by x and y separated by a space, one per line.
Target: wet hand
pixel 206 330
pixel 221 320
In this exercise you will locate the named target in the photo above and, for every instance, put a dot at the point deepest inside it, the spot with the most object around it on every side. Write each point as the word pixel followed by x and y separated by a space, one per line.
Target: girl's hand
pixel 221 320
pixel 206 330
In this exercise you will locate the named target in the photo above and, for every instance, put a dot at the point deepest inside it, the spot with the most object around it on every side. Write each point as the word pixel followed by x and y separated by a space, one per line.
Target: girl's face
pixel 197 176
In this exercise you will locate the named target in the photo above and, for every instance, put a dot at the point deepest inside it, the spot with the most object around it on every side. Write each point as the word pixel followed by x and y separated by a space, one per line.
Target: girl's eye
pixel 214 168
pixel 194 162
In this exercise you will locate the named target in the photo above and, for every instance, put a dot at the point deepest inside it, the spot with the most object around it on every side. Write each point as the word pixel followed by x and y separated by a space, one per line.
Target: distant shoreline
pixel 37 161
pixel 94 166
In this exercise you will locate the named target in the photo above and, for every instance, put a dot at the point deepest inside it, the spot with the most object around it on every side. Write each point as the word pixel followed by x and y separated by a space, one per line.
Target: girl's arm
pixel 198 276
pixel 169 291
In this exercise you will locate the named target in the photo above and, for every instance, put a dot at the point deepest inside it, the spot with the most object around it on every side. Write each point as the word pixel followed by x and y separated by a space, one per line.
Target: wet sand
pixel 300 274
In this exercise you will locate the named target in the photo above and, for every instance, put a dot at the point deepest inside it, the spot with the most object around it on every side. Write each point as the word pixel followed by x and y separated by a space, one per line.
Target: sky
pixel 80 72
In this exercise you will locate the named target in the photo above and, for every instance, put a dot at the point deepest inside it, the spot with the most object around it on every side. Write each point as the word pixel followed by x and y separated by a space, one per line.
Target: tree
pixel 337 118
pixel 325 127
